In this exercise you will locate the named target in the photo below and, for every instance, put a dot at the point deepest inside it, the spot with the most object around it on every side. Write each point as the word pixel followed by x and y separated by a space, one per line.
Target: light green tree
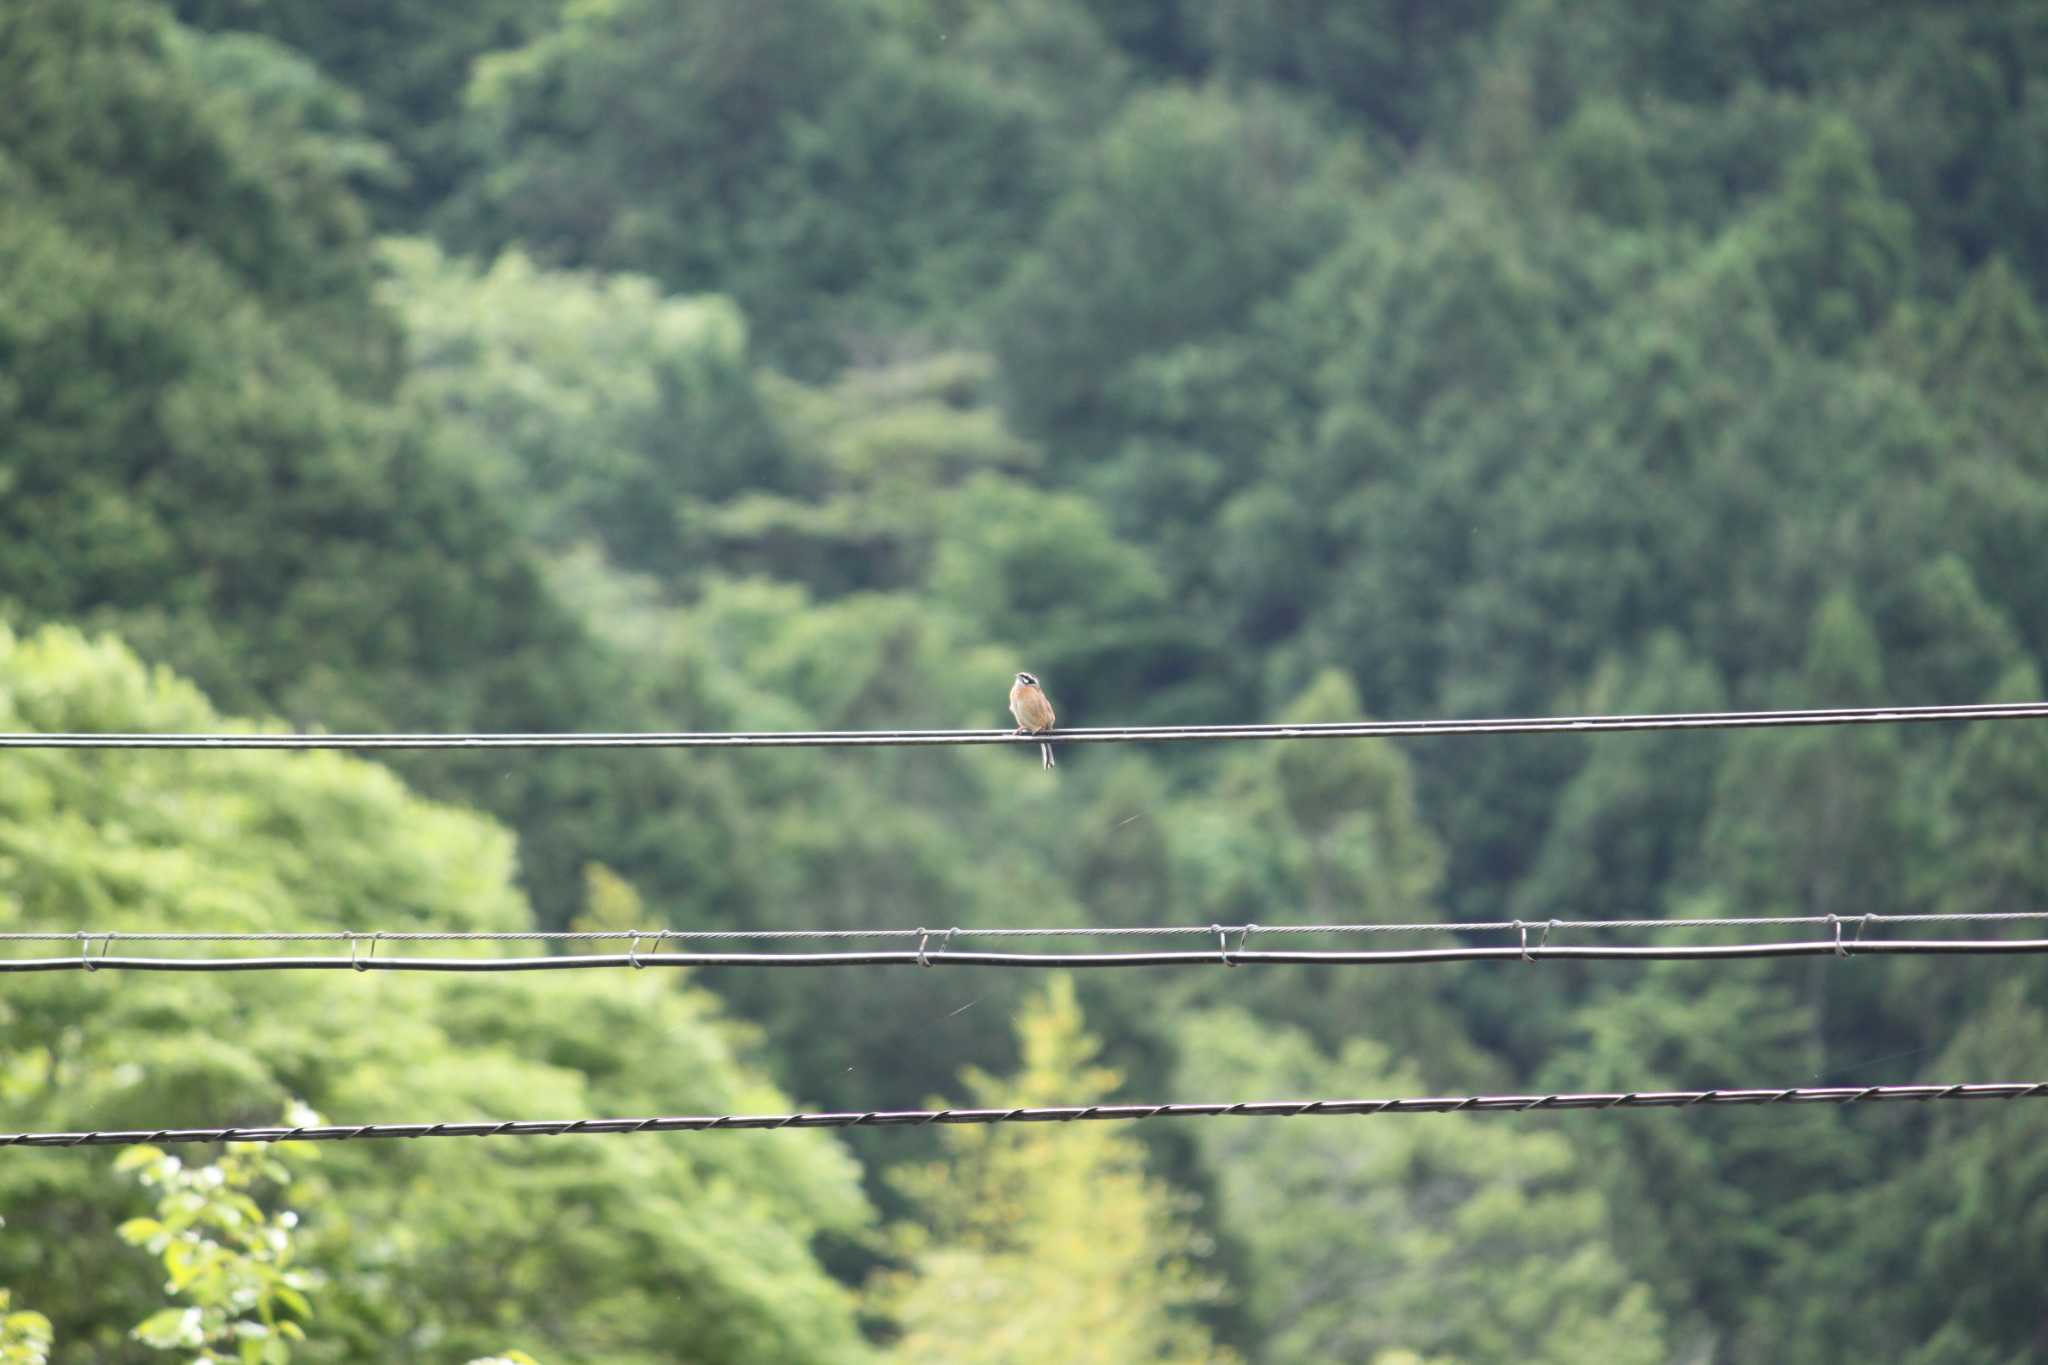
pixel 222 1249
pixel 1046 1242
pixel 588 1246
pixel 25 1334
pixel 600 408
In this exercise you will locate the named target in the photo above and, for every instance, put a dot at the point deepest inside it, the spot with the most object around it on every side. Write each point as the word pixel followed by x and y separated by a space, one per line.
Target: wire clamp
pixel 1523 930
pixel 633 954
pixel 1835 923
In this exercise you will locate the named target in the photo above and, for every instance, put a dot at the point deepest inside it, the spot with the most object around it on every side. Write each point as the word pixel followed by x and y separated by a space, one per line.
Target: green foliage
pixel 203 451
pixel 1604 168
pixel 1048 570
pixel 641 1247
pixel 113 130
pixel 196 417
pixel 24 1334
pixel 781 135
pixel 406 63
pixel 1391 63
pixel 272 85
pixel 1969 1199
pixel 1765 1177
pixel 1046 1242
pixel 1629 819
pixel 224 1251
pixel 1362 1234
pixel 1051 55
pixel 1988 791
pixel 1218 361
pixel 1189 210
pixel 1816 826
pixel 597 407
pixel 1954 112
pixel 1836 250
pixel 1159 34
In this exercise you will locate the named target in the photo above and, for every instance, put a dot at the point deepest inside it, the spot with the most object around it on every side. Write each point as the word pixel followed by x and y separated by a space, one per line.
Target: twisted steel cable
pixel 917 1118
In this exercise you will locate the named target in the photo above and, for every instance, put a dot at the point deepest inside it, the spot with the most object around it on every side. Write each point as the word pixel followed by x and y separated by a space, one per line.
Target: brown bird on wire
pixel 1032 710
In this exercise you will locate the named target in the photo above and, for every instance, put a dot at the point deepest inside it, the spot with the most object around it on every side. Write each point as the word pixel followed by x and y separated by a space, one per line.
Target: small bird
pixel 1032 710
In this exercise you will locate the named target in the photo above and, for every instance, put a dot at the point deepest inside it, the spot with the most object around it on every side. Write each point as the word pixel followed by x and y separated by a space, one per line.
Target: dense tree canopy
pixel 645 1244
pixel 611 364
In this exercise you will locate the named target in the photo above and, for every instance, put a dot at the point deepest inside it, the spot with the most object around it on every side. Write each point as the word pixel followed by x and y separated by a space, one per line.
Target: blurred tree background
pixel 614 364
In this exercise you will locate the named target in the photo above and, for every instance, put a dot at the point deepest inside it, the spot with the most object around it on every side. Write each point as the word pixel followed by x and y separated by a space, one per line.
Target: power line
pixel 105 937
pixel 918 1118
pixel 1222 955
pixel 1150 734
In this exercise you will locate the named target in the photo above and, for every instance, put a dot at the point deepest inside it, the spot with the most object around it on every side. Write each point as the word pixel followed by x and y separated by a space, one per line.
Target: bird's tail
pixel 1045 752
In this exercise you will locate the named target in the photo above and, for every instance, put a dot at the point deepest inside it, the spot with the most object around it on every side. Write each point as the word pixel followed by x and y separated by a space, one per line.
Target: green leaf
pixel 131 1157
pixel 26 1323
pixel 136 1231
pixel 169 1328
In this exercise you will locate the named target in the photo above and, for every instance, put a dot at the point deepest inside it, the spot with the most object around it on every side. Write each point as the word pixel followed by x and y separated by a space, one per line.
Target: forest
pixel 622 365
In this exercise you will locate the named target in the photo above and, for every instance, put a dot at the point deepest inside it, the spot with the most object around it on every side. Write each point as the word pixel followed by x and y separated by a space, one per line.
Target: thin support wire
pixel 659 936
pixel 919 1118
pixel 923 956
pixel 1126 734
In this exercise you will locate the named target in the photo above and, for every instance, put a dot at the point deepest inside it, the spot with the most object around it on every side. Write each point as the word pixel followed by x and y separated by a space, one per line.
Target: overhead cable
pixel 919 1118
pixel 1222 955
pixel 659 936
pixel 1148 734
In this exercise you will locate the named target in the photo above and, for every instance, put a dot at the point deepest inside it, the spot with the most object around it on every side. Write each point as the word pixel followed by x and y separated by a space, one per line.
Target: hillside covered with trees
pixel 778 364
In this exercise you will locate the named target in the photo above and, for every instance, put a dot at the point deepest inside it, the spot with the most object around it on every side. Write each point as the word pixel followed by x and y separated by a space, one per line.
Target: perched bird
pixel 1032 710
